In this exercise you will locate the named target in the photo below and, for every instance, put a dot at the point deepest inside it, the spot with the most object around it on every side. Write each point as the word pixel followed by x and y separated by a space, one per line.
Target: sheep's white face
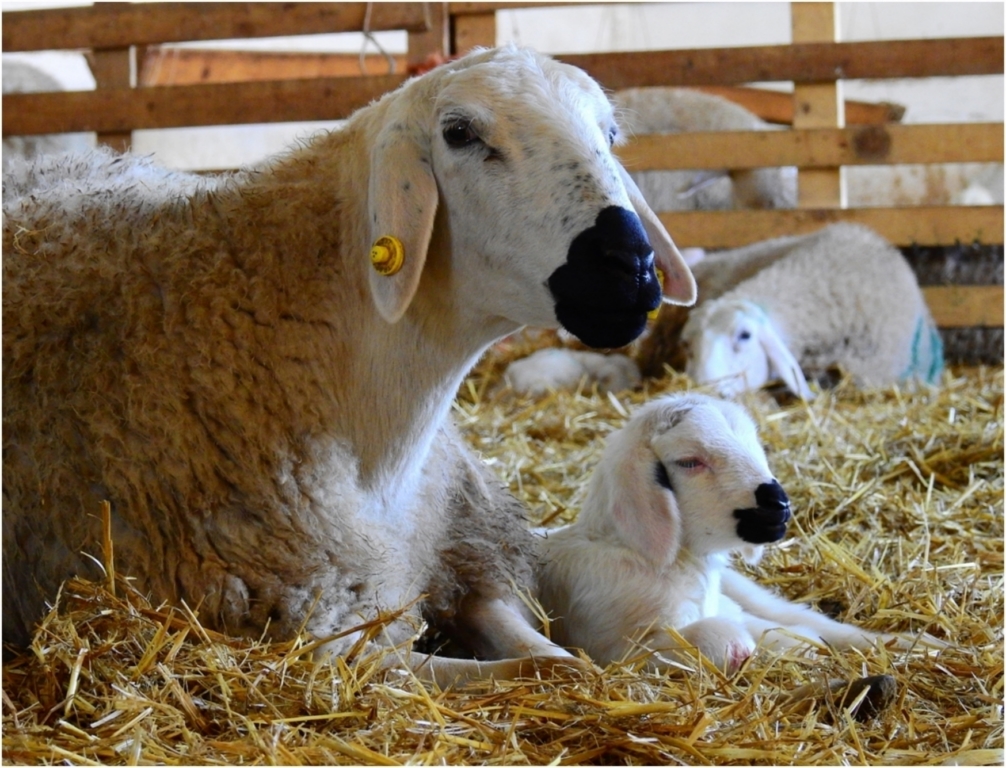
pixel 540 221
pixel 724 347
pixel 710 458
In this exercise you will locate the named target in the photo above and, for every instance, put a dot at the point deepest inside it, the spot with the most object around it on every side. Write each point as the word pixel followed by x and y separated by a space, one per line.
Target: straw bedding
pixel 898 500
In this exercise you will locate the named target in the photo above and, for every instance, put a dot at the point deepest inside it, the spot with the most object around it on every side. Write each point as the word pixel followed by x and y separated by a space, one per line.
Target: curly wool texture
pixel 182 346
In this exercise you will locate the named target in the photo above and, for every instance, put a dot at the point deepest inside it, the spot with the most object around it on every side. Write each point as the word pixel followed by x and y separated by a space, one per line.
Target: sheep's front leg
pixel 724 642
pixel 496 629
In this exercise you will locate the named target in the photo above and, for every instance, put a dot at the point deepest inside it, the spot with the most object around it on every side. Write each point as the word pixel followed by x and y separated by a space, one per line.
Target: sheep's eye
pixel 744 335
pixel 460 133
pixel 612 135
pixel 691 463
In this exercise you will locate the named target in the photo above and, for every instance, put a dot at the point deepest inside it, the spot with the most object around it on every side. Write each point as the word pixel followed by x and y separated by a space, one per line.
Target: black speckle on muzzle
pixel 608 284
pixel 766 522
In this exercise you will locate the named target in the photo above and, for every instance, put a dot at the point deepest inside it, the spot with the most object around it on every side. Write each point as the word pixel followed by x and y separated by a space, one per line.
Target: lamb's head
pixel 504 159
pixel 688 471
pixel 735 344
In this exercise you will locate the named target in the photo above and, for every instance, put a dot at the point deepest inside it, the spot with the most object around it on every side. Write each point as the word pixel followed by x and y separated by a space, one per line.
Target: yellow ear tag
pixel 652 314
pixel 387 255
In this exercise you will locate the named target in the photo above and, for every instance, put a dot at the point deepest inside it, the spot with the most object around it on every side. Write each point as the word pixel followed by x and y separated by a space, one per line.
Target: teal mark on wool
pixel 927 353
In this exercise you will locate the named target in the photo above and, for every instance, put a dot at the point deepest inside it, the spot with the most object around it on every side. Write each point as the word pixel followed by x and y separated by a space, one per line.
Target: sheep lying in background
pixel 683 110
pixel 796 306
pixel 265 407
pixel 679 488
pixel 22 77
pixel 560 368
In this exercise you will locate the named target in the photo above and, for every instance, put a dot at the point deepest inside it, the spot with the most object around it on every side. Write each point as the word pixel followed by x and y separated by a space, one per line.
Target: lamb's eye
pixel 744 335
pixel 691 463
pixel 612 135
pixel 460 133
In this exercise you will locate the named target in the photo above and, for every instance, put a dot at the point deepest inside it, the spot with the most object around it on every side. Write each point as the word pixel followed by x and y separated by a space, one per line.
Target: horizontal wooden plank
pixel 122 109
pixel 777 106
pixel 963 306
pixel 922 225
pixel 115 25
pixel 801 63
pixel 817 147
pixel 171 65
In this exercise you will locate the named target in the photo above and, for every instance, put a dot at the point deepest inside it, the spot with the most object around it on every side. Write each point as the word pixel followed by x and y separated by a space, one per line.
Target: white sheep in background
pixel 796 306
pixel 682 110
pixel 678 489
pixel 23 77
pixel 268 413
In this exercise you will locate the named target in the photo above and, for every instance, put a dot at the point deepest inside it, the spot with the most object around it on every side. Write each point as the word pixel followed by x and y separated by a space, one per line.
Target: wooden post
pixel 471 29
pixel 435 41
pixel 112 68
pixel 818 105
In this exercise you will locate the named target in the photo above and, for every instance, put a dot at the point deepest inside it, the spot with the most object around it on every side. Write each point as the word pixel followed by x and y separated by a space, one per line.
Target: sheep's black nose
pixel 608 283
pixel 767 521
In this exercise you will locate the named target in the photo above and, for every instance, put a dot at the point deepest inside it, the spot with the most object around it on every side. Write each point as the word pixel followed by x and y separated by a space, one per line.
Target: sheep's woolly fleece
pixel 898 499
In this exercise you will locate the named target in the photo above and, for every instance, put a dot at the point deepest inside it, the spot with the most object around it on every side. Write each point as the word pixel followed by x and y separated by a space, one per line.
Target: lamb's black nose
pixel 772 496
pixel 767 521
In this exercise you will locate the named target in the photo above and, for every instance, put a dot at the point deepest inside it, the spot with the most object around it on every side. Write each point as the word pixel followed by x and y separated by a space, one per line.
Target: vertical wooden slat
pixel 433 44
pixel 817 105
pixel 470 30
pixel 112 68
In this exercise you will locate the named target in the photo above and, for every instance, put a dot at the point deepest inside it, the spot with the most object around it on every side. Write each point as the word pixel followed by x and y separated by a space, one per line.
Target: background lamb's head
pixel 735 345
pixel 506 155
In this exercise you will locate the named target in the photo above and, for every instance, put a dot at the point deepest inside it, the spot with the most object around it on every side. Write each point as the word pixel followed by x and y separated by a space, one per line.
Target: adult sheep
pixel 266 412
pixel 796 306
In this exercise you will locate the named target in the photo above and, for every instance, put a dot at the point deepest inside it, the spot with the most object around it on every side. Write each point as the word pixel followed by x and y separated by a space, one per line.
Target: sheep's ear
pixel 679 284
pixel 402 205
pixel 783 361
pixel 644 510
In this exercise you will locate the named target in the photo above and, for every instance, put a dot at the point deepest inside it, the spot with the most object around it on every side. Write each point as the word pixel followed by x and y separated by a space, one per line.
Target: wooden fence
pixel 120 38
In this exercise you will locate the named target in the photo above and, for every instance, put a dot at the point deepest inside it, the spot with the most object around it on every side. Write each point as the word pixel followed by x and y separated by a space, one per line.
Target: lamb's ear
pixel 679 284
pixel 782 360
pixel 643 507
pixel 402 205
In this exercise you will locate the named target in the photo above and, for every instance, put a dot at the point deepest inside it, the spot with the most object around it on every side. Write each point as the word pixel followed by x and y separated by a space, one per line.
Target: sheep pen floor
pixel 898 506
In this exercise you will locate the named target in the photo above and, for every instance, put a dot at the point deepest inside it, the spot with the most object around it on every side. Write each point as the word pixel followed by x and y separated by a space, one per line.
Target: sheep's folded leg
pixel 496 629
pixel 446 672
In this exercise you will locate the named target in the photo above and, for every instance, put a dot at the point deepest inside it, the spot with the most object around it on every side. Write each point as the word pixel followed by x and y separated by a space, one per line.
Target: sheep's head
pixel 688 471
pixel 504 159
pixel 735 345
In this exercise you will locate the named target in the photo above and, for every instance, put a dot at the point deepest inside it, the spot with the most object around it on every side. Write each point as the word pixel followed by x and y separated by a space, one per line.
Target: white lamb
pixel 793 307
pixel 683 110
pixel 265 407
pixel 678 489
pixel 560 368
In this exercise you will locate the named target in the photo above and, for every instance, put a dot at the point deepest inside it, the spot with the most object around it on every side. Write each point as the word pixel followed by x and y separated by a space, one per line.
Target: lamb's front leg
pixel 765 613
pixel 726 643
